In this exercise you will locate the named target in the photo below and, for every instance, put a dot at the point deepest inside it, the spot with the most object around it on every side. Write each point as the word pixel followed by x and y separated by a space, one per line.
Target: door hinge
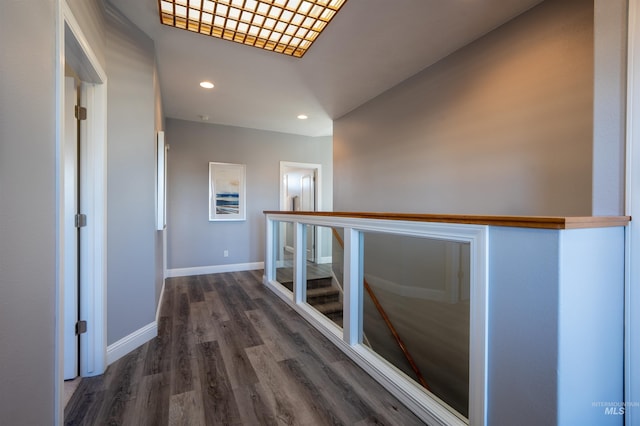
pixel 81 113
pixel 81 220
pixel 81 327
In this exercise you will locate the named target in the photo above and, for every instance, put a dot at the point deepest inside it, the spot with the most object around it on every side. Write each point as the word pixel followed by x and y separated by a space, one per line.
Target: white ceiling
pixel 369 47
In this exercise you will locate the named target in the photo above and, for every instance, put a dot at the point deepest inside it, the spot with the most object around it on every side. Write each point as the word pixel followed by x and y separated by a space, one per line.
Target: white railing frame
pixel 349 339
pixel 299 271
pixel 353 292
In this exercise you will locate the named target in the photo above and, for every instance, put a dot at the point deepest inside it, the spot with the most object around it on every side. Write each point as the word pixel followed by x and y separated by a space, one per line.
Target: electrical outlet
pixel 226 253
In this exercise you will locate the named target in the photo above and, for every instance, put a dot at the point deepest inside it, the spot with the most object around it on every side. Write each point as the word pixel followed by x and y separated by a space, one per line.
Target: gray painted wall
pixel 131 179
pixel 503 126
pixel 27 212
pixel 193 241
pixel 609 113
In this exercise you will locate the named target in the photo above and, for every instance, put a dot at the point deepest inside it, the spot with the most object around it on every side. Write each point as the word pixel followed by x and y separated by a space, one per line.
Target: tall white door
pixel 70 185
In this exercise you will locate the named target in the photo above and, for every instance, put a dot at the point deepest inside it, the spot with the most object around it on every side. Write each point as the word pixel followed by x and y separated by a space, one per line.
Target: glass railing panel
pixel 324 290
pixel 284 253
pixel 422 285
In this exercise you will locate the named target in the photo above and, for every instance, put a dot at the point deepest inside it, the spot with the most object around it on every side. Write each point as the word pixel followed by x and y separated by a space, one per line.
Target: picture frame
pixel 227 199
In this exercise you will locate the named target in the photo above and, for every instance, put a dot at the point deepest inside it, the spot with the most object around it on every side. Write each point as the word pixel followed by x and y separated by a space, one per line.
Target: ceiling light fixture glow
pixel 206 85
pixel 259 23
pixel 303 117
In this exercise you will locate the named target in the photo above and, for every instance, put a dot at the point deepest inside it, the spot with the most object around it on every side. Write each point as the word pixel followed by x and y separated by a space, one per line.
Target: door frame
pixel 286 165
pixel 73 47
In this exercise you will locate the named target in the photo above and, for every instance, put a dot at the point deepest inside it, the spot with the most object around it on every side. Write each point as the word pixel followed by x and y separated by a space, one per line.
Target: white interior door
pixel 70 176
pixel 307 191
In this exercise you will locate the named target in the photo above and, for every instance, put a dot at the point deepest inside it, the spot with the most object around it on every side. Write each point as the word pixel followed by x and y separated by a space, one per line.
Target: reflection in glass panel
pixel 283 237
pixel 422 285
pixel 324 290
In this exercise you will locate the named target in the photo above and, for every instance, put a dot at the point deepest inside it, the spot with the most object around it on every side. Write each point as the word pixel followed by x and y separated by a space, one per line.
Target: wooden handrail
pixel 387 321
pixel 540 222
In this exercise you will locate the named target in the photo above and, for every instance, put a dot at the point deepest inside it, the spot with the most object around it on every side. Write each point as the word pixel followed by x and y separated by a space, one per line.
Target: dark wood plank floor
pixel 230 352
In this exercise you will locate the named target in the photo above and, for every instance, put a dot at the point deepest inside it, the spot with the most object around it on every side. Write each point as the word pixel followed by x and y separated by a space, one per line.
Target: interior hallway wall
pixel 28 206
pixel 193 241
pixel 132 97
pixel 609 102
pixel 502 126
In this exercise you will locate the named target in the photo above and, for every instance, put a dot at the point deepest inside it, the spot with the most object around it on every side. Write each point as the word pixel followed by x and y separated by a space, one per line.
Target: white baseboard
pixel 214 269
pixel 160 300
pixel 129 343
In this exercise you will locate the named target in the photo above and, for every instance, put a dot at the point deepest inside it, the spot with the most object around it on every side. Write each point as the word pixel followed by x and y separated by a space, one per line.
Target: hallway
pixel 230 352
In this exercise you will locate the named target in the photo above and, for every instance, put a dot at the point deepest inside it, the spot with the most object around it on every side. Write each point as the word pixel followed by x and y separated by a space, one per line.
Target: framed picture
pixel 227 191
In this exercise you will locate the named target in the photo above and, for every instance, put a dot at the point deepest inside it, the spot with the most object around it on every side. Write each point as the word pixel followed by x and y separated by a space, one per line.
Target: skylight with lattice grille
pixel 283 26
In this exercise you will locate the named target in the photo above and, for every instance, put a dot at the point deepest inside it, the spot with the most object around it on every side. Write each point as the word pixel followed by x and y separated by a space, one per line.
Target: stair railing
pixel 387 321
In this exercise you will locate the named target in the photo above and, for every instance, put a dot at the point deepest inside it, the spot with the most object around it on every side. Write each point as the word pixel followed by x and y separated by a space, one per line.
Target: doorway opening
pixel 81 189
pixel 72 227
pixel 300 189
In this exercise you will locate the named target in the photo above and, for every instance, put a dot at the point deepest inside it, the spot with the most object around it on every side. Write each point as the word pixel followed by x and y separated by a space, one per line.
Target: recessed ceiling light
pixel 283 26
pixel 303 117
pixel 206 84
